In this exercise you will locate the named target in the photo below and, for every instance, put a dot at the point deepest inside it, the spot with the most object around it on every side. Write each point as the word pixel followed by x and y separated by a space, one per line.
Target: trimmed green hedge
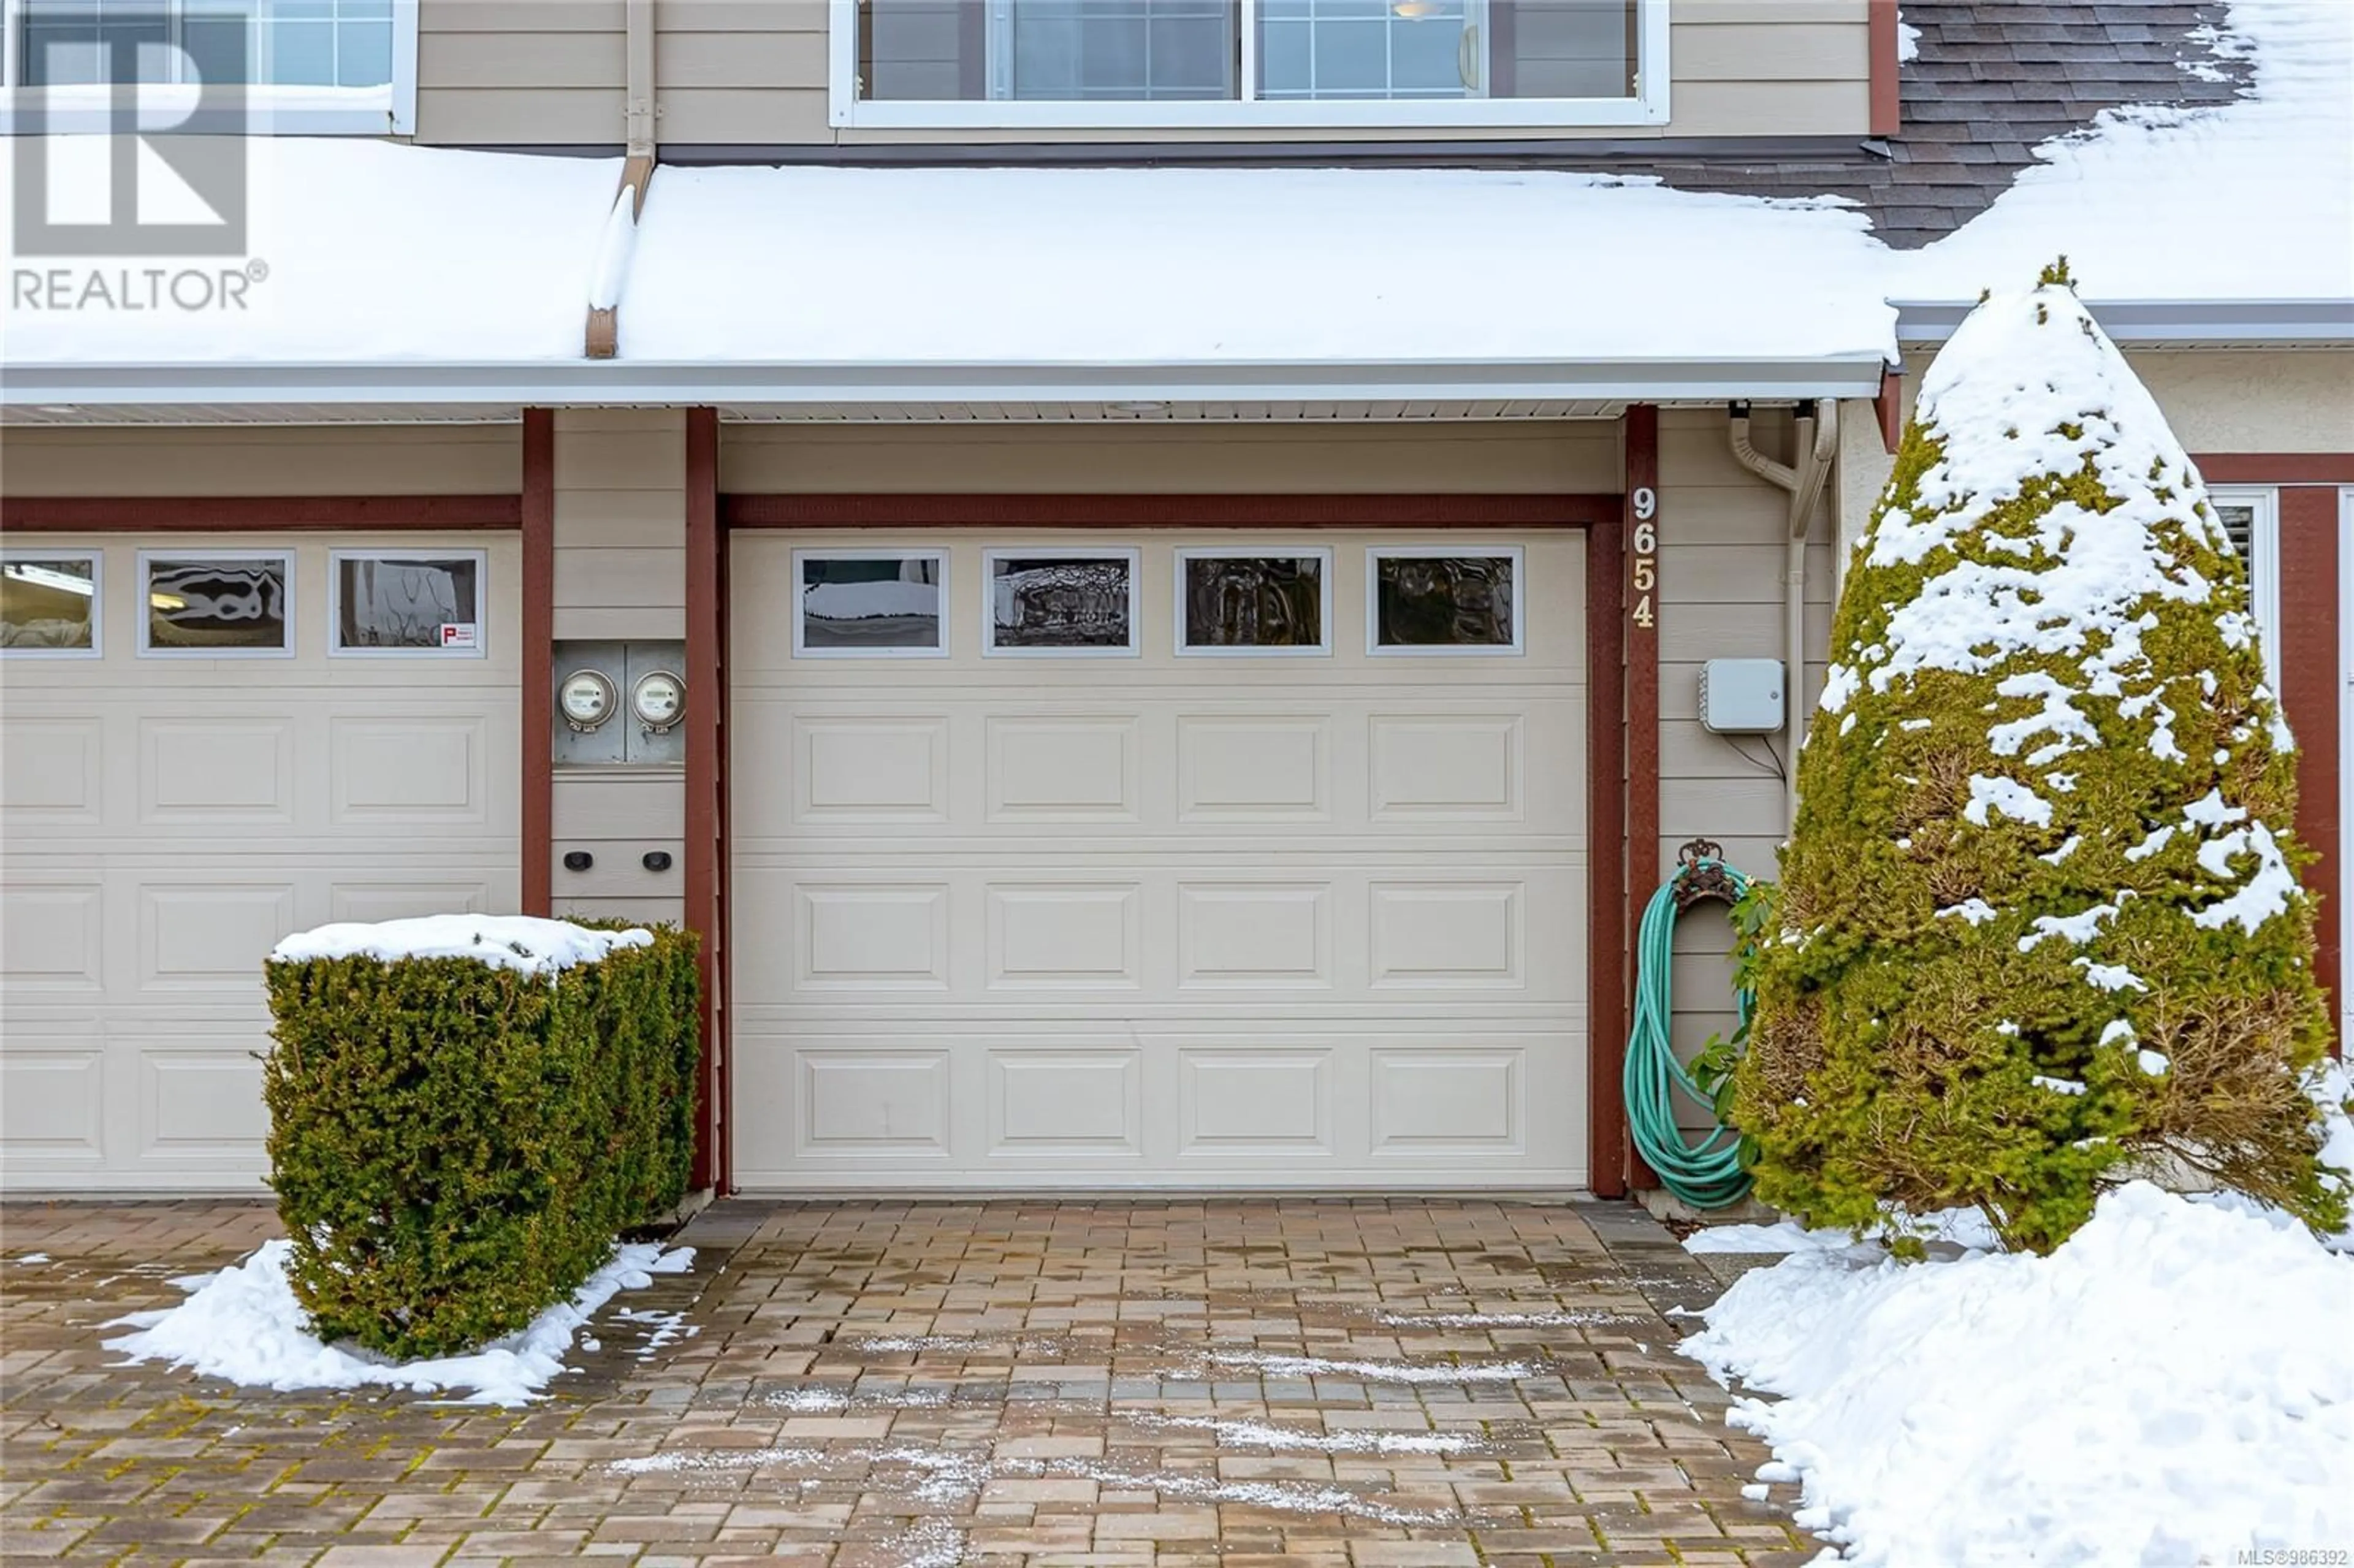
pixel 454 1145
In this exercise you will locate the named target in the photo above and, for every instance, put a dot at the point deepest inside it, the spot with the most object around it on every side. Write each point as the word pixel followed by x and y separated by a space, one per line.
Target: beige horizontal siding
pixel 520 72
pixel 621 524
pixel 610 803
pixel 1566 456
pixel 1721 557
pixel 300 460
pixel 754 71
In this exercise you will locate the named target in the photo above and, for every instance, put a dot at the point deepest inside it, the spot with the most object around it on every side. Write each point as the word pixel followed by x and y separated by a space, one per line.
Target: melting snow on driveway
pixel 2175 1384
pixel 245 1325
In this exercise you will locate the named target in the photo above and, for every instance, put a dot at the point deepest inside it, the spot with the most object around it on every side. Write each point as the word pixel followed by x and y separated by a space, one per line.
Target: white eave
pixel 2169 324
pixel 109 394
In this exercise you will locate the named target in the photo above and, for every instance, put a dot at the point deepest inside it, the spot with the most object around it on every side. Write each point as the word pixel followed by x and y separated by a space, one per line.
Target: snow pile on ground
pixel 2174 1385
pixel 1965 1228
pixel 2251 200
pixel 524 942
pixel 245 1325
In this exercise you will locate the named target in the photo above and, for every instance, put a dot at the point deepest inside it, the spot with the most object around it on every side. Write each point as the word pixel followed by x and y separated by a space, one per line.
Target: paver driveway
pixel 916 1384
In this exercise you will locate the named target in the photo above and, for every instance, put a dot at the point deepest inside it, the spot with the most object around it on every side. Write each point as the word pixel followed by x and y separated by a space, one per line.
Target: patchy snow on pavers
pixel 244 1324
pixel 2172 1385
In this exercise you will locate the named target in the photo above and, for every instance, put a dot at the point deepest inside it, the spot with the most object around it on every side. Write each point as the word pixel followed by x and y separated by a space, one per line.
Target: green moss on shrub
pixel 2045 834
pixel 454 1145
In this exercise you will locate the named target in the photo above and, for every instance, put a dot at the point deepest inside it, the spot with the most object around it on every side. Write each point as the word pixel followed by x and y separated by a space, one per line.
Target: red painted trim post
pixel 1889 406
pixel 704 544
pixel 1887 102
pixel 538 633
pixel 2310 682
pixel 1646 523
pixel 1606 944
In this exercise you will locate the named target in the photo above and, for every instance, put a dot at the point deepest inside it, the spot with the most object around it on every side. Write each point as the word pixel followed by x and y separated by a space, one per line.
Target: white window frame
pixel 31 555
pixel 1376 554
pixel 482 559
pixel 1321 553
pixel 139 602
pixel 1133 556
pixel 275 109
pixel 2263 566
pixel 847 110
pixel 937 555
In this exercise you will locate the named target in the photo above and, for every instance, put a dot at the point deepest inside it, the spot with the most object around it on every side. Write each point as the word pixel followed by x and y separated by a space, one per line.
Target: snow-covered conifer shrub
pixel 2039 923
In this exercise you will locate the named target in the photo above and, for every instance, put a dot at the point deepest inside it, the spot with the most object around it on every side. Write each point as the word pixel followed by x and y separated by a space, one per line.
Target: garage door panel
pixel 1157 920
pixel 51 772
pixel 52 937
pixel 384 770
pixel 164 821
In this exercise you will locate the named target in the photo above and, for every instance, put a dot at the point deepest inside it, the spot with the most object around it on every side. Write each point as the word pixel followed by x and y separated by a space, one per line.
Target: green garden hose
pixel 1707 1175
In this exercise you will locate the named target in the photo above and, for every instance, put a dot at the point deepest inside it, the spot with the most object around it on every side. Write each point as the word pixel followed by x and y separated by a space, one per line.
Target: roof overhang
pixel 2170 323
pixel 105 394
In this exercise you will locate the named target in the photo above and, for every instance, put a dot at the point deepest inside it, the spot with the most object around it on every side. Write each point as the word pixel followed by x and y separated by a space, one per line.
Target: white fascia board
pixel 2306 324
pixel 582 383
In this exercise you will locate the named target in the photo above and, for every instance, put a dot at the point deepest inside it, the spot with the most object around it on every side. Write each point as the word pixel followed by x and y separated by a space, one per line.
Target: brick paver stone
pixel 1006 1384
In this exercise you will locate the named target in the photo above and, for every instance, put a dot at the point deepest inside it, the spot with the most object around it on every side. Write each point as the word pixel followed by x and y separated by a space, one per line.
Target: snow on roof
pixel 1236 265
pixel 380 254
pixel 374 253
pixel 2251 200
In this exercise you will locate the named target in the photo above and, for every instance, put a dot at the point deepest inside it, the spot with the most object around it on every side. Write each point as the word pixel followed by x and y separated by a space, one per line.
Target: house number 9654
pixel 1647 554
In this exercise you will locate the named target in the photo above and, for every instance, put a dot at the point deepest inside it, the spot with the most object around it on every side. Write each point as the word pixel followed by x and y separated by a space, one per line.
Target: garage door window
pixel 407 604
pixel 50 605
pixel 217 604
pixel 1271 603
pixel 1049 602
pixel 1443 601
pixel 871 604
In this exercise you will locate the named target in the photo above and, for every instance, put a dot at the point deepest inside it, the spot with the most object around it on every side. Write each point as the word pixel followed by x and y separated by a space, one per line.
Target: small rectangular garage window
pixel 217 604
pixel 1044 603
pixel 50 604
pixel 1447 599
pixel 429 603
pixel 1267 602
pixel 871 604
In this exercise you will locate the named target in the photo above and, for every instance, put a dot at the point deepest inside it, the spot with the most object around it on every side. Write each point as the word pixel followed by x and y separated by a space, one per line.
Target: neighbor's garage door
pixel 1068 912
pixel 166 814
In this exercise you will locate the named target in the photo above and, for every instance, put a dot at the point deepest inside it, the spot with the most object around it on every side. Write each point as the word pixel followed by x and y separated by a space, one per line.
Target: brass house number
pixel 1647 554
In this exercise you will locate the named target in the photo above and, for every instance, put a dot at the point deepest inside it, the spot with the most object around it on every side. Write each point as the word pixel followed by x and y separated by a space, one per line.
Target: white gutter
pixel 1817 442
pixel 586 383
pixel 2307 323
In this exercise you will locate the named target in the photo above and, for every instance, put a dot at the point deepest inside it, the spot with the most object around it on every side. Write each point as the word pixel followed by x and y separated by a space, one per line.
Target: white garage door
pixel 1283 910
pixel 166 814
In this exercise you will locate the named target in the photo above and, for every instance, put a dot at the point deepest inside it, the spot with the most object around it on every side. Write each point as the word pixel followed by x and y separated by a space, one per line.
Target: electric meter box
pixel 1741 697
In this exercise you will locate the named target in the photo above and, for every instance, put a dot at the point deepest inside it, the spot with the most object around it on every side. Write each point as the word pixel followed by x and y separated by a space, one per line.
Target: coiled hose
pixel 1707 1175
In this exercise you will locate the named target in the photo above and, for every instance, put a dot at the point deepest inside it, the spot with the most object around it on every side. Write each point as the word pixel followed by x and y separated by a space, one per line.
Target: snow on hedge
pixel 521 942
pixel 243 1324
pixel 2173 1385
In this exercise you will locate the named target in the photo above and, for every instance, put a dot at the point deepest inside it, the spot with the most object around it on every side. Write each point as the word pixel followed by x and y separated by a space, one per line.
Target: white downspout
pixel 610 273
pixel 1817 443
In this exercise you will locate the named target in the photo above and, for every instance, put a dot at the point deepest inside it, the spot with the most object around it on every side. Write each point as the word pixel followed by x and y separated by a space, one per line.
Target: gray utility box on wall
pixel 1741 697
pixel 635 676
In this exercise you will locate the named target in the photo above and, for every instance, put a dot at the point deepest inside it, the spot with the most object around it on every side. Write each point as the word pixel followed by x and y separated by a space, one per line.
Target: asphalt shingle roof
pixel 1991 80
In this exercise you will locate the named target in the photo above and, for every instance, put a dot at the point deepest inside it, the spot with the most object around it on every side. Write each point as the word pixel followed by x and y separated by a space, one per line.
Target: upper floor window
pixel 1249 63
pixel 302 66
